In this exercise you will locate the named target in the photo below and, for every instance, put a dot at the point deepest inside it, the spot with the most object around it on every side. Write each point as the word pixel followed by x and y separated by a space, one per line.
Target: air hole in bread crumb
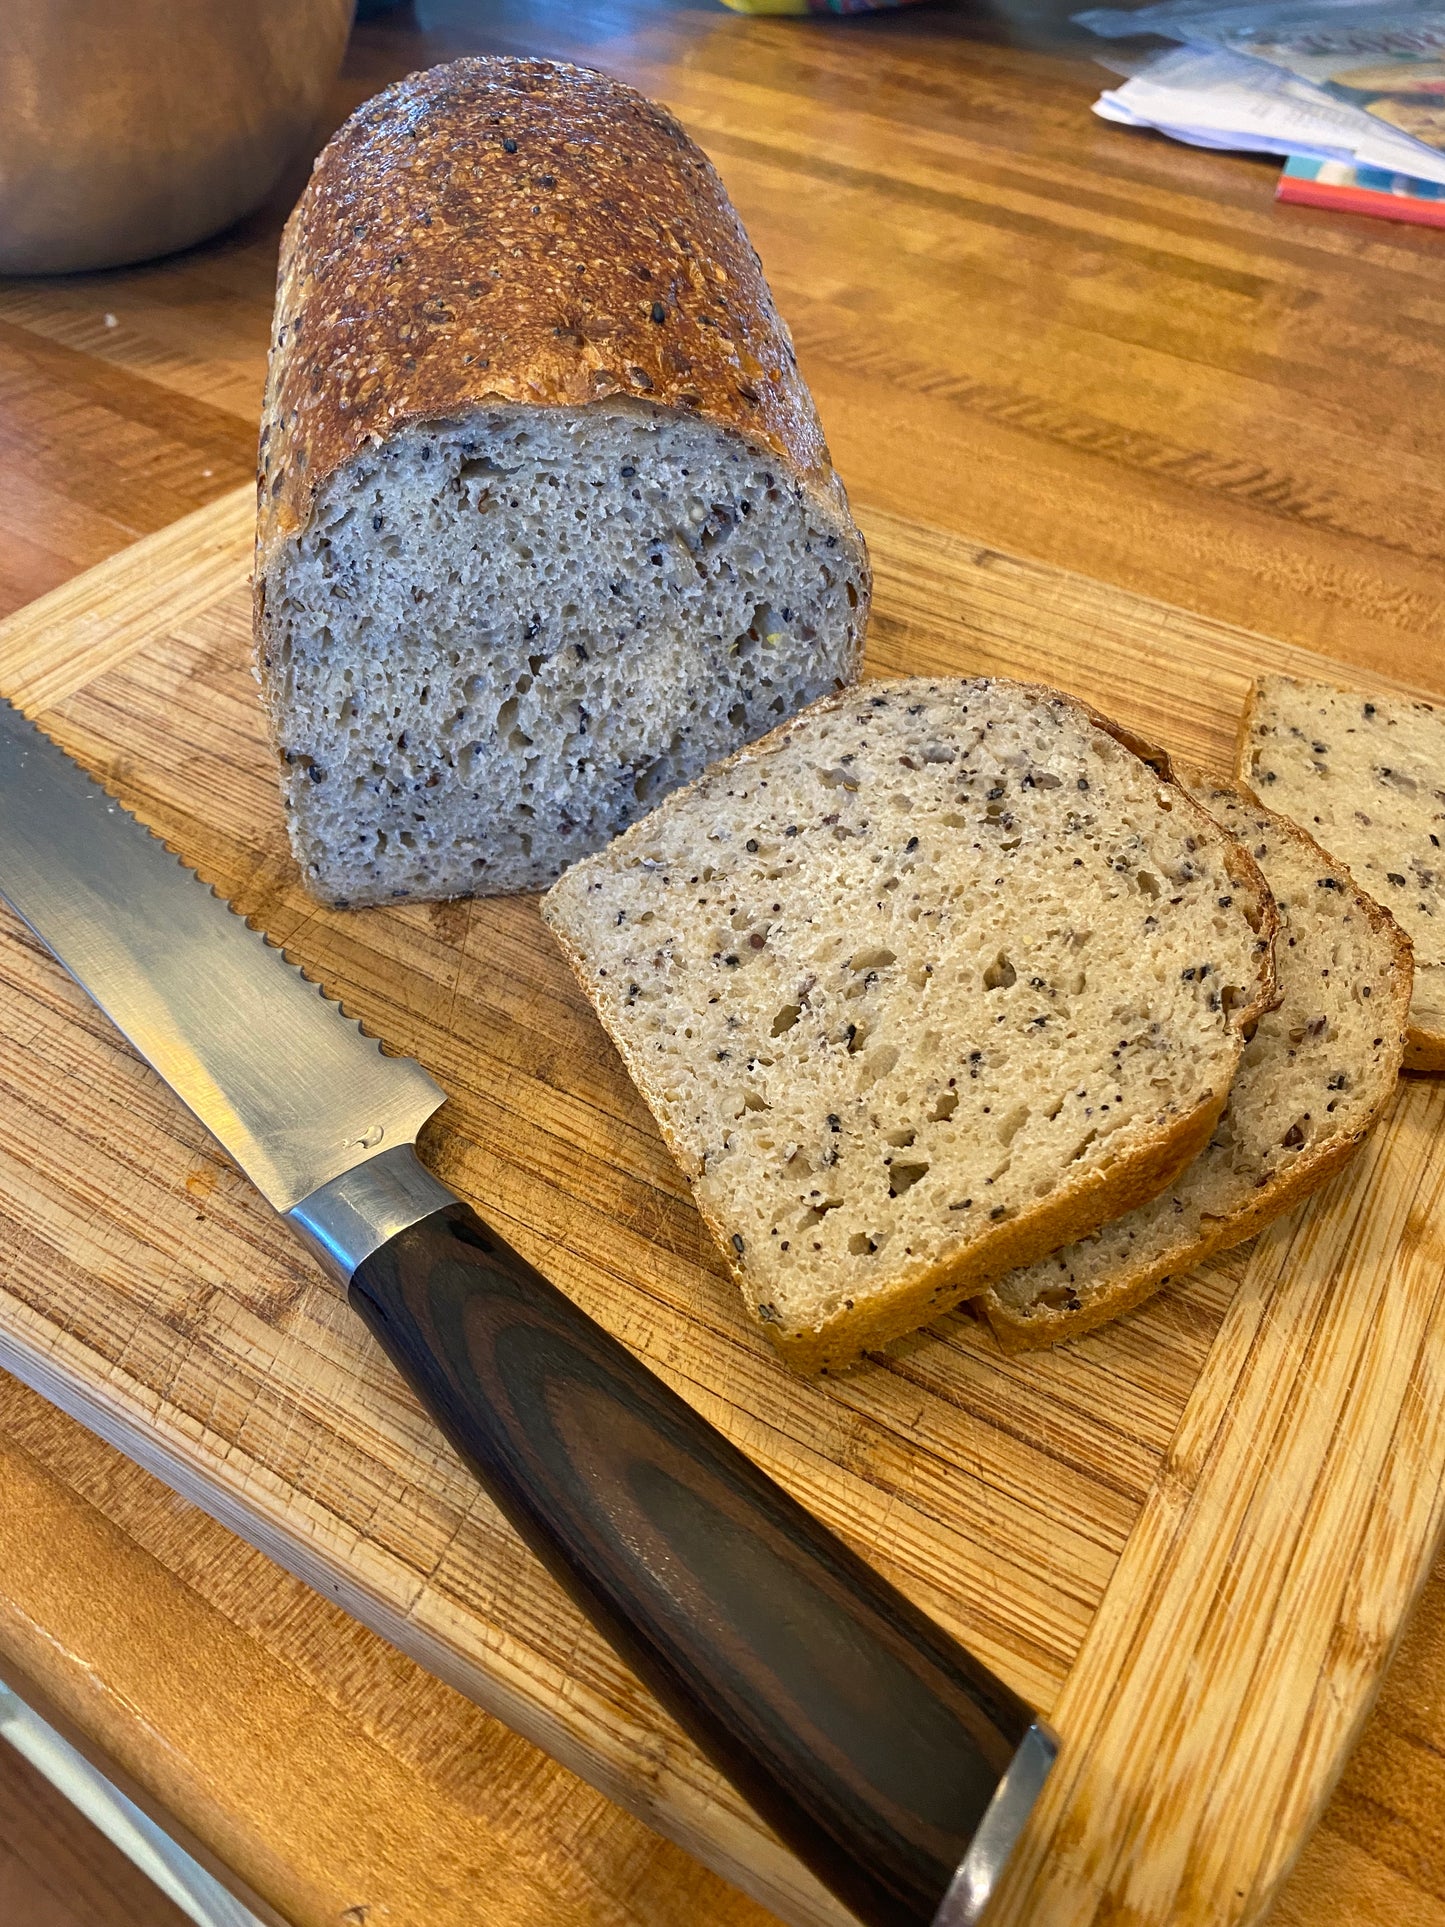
pixel 945 1107
pixel 1059 1298
pixel 1000 974
pixel 903 1177
pixel 861 1245
pixel 786 1018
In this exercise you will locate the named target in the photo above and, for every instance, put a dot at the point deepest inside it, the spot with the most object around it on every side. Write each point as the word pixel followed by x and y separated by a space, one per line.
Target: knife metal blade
pixel 192 986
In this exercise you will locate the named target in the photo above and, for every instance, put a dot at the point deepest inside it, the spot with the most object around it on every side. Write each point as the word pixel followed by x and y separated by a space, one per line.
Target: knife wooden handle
pixel 859 1730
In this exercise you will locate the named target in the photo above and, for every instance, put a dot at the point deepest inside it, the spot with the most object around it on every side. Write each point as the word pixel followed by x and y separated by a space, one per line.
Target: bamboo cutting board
pixel 1190 1538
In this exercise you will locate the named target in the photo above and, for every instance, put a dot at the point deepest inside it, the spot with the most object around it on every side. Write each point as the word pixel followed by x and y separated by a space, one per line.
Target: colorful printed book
pixel 815 6
pixel 1362 190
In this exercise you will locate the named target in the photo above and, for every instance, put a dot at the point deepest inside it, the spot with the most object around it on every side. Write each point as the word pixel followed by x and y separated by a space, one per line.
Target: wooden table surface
pixel 1069 341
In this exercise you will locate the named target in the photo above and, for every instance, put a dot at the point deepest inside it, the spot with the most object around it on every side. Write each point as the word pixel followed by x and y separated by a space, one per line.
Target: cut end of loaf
pixel 932 980
pixel 502 639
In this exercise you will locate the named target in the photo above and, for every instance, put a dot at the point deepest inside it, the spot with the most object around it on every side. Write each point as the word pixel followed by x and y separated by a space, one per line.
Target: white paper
pixel 1218 99
pixel 1384 59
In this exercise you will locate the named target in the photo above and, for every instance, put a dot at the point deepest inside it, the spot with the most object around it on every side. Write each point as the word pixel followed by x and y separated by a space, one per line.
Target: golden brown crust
pixel 1242 737
pixel 501 230
pixel 1078 1208
pixel 1135 1284
pixel 1044 1330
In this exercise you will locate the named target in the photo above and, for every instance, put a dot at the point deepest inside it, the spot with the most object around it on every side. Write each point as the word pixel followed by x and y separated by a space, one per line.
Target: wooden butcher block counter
pixel 1109 417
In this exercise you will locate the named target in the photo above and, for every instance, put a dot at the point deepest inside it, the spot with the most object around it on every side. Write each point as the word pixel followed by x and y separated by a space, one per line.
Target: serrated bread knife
pixel 893 1763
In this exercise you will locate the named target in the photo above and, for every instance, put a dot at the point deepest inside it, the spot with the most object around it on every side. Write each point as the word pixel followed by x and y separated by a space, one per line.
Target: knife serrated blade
pixel 192 986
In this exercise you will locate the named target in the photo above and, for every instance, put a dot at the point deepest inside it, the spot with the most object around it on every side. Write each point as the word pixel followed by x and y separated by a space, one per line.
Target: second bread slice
pixel 1313 1079
pixel 925 984
pixel 1365 776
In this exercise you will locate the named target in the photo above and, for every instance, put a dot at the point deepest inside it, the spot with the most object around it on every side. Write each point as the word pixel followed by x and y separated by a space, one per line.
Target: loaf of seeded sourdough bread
pixel 547 522
pixel 933 979
pixel 1314 1077
pixel 1365 775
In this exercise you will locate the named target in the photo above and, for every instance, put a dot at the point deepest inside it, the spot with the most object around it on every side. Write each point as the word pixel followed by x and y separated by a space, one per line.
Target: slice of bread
pixel 1314 1077
pixel 547 522
pixel 923 985
pixel 1365 775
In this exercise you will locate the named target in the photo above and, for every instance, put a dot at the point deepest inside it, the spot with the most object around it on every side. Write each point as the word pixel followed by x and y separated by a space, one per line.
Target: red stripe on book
pixel 1362 200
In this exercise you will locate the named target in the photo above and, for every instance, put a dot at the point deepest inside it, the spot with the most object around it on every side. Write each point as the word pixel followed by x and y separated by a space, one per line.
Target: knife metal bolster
pixel 354 1215
pixel 1013 1801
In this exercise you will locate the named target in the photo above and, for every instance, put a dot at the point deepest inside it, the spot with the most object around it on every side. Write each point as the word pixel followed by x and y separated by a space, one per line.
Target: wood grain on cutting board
pixel 1191 1537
